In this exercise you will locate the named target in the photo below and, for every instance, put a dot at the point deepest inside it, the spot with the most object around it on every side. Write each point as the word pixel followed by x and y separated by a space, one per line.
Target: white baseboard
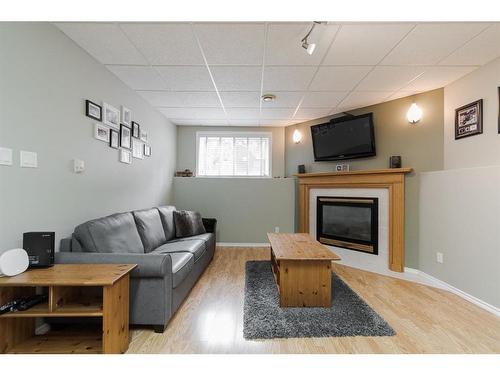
pixel 443 285
pixel 242 244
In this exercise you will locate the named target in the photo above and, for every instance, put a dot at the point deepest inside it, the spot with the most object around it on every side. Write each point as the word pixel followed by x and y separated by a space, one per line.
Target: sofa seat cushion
pixel 167 220
pixel 150 228
pixel 182 264
pixel 111 234
pixel 195 247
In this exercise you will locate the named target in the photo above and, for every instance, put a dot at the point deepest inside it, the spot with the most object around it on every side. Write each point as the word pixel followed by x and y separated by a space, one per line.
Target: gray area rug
pixel 265 319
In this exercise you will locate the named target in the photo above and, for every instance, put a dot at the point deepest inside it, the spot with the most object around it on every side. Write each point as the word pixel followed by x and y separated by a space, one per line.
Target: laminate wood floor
pixel 426 320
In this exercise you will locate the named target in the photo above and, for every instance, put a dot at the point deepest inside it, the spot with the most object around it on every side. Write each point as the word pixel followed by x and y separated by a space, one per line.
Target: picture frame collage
pixel 119 131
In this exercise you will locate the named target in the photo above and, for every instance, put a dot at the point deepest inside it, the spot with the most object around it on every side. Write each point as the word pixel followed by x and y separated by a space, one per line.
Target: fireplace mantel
pixel 392 179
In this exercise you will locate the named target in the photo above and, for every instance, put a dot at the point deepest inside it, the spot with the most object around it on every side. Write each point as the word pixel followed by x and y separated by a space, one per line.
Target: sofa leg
pixel 160 328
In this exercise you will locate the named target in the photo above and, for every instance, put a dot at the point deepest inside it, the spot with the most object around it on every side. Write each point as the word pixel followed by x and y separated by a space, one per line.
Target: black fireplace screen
pixel 348 222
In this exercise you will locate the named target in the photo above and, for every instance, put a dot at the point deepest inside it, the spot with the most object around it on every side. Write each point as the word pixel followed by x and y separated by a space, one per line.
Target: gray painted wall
pixel 186 145
pixel 460 217
pixel 246 208
pixel 44 80
pixel 421 147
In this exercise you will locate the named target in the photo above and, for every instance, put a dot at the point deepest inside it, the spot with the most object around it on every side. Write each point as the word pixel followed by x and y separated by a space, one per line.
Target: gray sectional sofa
pixel 168 267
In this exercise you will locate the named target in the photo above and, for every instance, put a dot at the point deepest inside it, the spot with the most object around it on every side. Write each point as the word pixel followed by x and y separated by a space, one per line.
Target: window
pixel 222 154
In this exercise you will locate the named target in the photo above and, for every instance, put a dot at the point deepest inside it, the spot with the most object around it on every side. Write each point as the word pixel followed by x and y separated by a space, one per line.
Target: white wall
pixel 482 149
pixel 460 217
pixel 44 80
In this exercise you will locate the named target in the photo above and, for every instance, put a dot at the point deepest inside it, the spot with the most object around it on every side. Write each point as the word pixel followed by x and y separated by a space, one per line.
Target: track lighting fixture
pixel 306 43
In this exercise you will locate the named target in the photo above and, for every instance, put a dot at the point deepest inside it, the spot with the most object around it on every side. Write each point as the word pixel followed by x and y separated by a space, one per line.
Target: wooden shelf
pixel 74 309
pixel 78 342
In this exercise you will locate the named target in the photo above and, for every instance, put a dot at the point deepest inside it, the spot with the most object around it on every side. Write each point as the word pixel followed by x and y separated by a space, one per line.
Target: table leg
pixel 115 317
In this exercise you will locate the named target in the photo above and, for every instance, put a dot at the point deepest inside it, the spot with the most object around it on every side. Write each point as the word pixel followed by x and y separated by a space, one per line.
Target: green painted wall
pixel 420 145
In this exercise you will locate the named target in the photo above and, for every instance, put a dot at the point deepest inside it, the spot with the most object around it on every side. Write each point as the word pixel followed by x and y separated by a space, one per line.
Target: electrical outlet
pixel 439 257
pixel 276 229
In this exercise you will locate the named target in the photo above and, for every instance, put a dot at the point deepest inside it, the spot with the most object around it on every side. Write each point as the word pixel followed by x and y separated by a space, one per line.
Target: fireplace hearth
pixel 348 222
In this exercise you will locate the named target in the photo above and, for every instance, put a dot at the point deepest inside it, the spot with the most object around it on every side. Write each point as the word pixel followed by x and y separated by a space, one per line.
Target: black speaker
pixel 40 248
pixel 302 168
pixel 395 161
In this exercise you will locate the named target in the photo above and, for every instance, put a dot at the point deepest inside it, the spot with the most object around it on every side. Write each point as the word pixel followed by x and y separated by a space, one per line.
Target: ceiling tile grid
pixel 215 73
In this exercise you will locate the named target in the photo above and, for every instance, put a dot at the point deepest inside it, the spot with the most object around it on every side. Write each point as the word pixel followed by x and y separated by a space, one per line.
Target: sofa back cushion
pixel 188 223
pixel 167 220
pixel 111 234
pixel 150 228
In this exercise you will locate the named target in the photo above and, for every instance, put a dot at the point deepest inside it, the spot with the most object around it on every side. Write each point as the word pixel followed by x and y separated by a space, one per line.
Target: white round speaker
pixel 13 262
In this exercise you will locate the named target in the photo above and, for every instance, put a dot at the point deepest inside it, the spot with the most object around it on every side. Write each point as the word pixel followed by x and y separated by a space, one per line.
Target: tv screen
pixel 347 137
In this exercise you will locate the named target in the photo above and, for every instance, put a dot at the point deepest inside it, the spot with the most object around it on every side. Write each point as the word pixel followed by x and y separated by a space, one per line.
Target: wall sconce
pixel 296 136
pixel 414 114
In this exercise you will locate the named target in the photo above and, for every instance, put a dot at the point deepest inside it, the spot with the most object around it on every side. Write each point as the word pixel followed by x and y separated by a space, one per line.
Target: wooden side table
pixel 74 290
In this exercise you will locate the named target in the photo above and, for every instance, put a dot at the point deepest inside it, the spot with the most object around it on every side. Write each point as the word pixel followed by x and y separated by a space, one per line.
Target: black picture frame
pixel 88 104
pixel 136 130
pixel 147 150
pixel 125 139
pixel 114 139
pixel 469 120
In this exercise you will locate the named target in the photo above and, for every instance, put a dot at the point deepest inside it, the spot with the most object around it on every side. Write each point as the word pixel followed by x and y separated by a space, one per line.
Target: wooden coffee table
pixel 303 270
pixel 74 290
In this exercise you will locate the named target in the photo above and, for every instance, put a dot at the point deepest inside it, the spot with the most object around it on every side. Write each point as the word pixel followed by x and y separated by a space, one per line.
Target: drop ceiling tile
pixel 360 99
pixel 232 43
pixel 323 99
pixel 289 78
pixel 104 41
pixel 402 94
pixel 186 78
pixel 138 77
pixel 243 113
pixel 249 99
pixel 193 113
pixel 338 78
pixel 237 78
pixel 365 44
pixel 284 43
pixel 181 99
pixel 482 49
pixel 165 43
pixel 275 123
pixel 429 43
pixel 389 78
pixel 247 122
pixel 439 76
pixel 199 122
pixel 312 113
pixel 284 99
pixel 277 113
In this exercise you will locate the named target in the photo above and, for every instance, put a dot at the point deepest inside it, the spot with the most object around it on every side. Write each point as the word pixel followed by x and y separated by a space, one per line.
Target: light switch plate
pixel 29 159
pixel 5 156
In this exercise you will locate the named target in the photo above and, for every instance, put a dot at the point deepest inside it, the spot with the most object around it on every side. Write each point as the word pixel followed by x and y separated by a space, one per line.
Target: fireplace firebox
pixel 348 222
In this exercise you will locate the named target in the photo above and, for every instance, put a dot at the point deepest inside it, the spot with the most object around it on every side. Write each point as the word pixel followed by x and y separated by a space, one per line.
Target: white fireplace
pixel 373 262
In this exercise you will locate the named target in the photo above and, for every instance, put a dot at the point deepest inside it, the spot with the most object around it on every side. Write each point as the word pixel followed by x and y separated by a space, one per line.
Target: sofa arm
pixel 148 265
pixel 210 224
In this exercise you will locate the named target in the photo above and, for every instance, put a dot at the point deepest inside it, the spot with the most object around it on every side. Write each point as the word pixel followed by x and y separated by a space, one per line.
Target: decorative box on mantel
pixel 392 179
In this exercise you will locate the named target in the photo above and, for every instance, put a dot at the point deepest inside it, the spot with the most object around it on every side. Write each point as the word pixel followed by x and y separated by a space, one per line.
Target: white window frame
pixel 248 134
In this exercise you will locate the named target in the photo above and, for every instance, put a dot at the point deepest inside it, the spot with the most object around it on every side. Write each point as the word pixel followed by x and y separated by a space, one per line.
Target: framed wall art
pixel 101 132
pixel 469 120
pixel 125 139
pixel 136 130
pixel 111 115
pixel 147 150
pixel 114 139
pixel 93 110
pixel 137 149
pixel 126 116
pixel 125 157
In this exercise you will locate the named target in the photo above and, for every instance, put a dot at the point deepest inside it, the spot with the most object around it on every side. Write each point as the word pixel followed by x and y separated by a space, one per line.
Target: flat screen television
pixel 347 137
